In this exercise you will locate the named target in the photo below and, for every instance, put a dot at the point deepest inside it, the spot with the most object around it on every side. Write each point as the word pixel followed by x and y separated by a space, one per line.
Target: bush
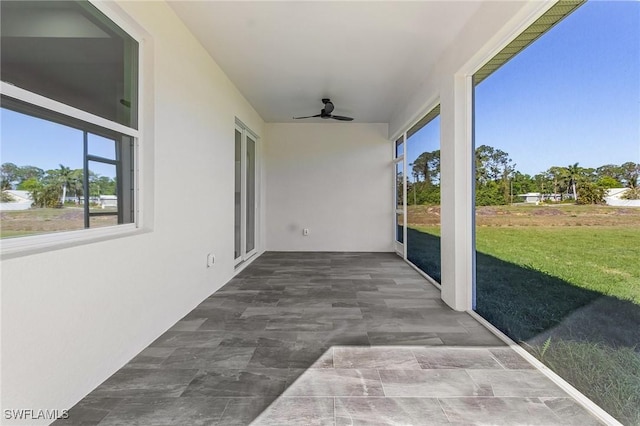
pixel 490 194
pixel 46 196
pixel 591 194
pixel 632 194
pixel 6 197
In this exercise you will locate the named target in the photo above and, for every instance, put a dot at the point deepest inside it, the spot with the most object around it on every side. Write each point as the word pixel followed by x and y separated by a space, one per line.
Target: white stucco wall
pixel 65 328
pixel 336 180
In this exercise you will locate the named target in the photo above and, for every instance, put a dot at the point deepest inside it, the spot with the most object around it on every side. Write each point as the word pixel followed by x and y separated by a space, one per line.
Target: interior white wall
pixel 73 316
pixel 490 29
pixel 336 180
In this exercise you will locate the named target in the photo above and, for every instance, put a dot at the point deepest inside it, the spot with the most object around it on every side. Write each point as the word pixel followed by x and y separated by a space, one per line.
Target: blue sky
pixel 29 141
pixel 424 140
pixel 572 96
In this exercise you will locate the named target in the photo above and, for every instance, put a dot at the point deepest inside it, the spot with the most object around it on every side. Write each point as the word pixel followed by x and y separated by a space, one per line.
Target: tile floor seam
pixel 499 363
pixel 493 393
pixel 443 410
pixel 224 410
pixel 384 392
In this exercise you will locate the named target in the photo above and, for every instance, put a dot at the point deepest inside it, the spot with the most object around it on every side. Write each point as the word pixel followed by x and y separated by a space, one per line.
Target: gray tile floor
pixel 327 339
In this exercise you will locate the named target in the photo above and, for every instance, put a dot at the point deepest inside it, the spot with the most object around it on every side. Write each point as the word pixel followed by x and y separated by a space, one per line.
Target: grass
pixel 603 259
pixel 47 220
pixel 565 276
pixel 425 252
pixel 595 248
pixel 611 375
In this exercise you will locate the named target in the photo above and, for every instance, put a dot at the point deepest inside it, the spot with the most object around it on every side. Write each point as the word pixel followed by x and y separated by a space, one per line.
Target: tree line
pixel 498 182
pixel 52 188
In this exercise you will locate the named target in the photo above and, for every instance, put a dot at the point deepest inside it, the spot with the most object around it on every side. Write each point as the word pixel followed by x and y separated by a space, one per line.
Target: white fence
pixel 617 202
pixel 15 206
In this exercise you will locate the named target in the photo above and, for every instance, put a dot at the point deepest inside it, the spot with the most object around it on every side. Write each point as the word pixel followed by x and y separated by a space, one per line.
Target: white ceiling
pixel 286 56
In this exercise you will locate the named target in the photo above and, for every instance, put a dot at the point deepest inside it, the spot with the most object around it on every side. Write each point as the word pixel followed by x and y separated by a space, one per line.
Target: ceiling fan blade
pixel 310 116
pixel 341 118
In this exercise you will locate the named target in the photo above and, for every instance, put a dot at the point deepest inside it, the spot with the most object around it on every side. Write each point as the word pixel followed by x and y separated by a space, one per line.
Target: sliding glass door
pixel 245 194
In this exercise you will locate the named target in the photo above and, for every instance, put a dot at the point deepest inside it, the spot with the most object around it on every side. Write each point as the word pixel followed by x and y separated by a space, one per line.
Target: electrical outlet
pixel 210 260
pixel 305 232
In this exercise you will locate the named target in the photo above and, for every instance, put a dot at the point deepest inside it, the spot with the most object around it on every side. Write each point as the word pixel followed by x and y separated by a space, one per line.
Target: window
pixel 423 194
pixel 417 194
pixel 245 228
pixel 69 119
pixel 399 193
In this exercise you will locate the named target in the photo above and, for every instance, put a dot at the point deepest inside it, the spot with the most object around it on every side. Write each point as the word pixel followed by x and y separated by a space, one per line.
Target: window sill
pixel 25 246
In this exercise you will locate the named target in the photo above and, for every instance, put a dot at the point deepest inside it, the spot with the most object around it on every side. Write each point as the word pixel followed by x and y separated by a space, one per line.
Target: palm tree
pixel 77 184
pixel 66 178
pixel 573 173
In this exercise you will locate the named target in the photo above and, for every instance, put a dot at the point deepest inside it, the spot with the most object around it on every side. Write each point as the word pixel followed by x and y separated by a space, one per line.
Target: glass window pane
pixel 102 221
pixel 42 163
pixel 70 52
pixel 47 220
pixel 35 142
pixel 400 228
pixel 44 168
pixel 423 196
pixel 103 194
pixel 251 194
pixel 101 146
pixel 238 192
pixel 399 186
pixel 399 147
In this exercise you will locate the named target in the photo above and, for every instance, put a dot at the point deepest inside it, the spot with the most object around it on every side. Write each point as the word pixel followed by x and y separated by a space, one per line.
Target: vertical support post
pixel 457 172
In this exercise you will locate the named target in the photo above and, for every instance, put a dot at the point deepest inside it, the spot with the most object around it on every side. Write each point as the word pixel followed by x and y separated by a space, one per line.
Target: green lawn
pixel 606 259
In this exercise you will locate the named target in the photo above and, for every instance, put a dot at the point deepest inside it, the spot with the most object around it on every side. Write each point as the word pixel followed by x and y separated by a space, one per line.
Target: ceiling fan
pixel 326 112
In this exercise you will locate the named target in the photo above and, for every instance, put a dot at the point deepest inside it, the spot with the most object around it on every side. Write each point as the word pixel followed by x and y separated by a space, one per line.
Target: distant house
pixel 531 197
pixel 537 197
pixel 21 200
pixel 108 201
pixel 615 193
pixel 557 197
pixel 613 197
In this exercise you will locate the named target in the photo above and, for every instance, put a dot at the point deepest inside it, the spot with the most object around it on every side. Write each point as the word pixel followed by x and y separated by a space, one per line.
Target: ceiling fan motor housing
pixel 328 106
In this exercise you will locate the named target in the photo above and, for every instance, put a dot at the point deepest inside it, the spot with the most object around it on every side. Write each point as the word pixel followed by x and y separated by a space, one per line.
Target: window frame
pixel 26 245
pixel 398 158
